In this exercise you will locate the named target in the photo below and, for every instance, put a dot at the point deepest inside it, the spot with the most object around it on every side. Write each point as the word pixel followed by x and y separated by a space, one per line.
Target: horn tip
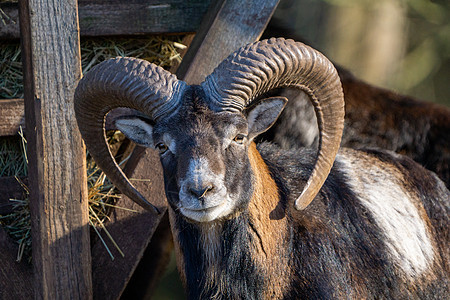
pixel 301 204
pixel 146 205
pixel 150 207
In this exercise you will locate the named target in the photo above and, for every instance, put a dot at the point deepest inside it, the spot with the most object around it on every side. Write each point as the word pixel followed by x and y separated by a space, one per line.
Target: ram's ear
pixel 263 115
pixel 137 129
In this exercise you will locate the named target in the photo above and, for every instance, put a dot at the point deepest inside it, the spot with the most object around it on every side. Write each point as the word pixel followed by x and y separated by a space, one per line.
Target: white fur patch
pixel 136 130
pixel 393 209
pixel 170 142
pixel 200 172
pixel 213 205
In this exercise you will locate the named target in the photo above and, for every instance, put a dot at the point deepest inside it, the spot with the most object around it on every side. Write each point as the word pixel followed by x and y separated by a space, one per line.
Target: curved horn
pixel 262 66
pixel 122 82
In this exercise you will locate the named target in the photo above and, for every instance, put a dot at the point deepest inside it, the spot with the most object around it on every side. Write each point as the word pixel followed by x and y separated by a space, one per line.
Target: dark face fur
pixel 204 154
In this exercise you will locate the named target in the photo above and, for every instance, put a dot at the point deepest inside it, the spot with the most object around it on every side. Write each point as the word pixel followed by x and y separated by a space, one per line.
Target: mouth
pixel 201 214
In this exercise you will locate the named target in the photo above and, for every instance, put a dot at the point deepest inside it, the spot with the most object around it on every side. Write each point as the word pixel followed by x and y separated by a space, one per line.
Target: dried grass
pixel 161 50
pixel 11 85
pixel 102 195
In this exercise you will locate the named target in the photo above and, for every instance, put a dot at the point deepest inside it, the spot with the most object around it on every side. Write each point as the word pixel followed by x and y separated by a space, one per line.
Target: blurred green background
pixel 399 45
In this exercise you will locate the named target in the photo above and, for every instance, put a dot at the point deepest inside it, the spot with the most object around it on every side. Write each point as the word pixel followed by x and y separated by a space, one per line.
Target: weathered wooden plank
pixel 15 277
pixel 132 231
pixel 57 166
pixel 117 17
pixel 11 116
pixel 227 26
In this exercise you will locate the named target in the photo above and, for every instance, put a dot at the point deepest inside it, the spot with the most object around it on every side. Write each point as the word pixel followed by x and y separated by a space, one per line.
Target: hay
pixel 102 195
pixel 12 158
pixel 11 85
pixel 160 50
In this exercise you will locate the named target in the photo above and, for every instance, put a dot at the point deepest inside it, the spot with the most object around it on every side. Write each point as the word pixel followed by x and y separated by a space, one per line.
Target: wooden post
pixel 57 170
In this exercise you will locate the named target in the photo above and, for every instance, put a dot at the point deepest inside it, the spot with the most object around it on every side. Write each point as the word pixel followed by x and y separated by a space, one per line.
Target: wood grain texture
pixel 132 231
pixel 227 26
pixel 117 17
pixel 57 170
pixel 15 278
pixel 11 116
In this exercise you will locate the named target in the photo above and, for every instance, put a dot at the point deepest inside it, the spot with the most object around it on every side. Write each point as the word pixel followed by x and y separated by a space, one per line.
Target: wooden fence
pixel 66 264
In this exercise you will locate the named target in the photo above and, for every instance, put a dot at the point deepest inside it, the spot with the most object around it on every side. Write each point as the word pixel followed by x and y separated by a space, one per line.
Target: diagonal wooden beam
pixel 227 26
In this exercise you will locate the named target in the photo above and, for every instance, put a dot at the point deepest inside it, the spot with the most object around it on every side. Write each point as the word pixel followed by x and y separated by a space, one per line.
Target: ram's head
pixel 204 132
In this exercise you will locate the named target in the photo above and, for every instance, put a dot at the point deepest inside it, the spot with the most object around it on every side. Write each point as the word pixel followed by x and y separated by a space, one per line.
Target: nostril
pixel 200 193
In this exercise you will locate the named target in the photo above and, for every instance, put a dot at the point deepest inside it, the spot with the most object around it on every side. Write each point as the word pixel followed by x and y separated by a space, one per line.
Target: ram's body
pixel 267 223
pixel 378 229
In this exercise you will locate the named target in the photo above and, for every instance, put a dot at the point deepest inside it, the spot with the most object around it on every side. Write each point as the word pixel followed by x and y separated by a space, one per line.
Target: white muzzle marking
pixel 212 205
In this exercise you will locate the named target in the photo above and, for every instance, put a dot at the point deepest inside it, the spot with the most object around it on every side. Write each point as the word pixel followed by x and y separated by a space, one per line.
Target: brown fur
pixel 270 227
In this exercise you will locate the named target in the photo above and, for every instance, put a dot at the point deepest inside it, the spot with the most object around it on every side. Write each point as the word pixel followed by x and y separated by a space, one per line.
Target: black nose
pixel 200 193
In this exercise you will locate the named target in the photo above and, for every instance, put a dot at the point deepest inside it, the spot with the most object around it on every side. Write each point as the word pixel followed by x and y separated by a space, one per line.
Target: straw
pixel 102 196
pixel 161 50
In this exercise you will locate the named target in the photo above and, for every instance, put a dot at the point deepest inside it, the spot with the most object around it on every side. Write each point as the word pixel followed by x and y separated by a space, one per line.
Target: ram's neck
pixel 268 228
pixel 243 257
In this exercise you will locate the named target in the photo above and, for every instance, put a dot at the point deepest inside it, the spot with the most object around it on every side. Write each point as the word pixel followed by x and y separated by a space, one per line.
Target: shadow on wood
pixel 132 231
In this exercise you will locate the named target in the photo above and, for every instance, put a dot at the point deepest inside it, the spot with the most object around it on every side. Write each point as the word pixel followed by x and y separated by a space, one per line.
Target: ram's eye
pixel 162 148
pixel 240 138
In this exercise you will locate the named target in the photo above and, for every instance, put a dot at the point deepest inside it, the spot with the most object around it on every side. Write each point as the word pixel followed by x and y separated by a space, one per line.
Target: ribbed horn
pixel 122 82
pixel 259 67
